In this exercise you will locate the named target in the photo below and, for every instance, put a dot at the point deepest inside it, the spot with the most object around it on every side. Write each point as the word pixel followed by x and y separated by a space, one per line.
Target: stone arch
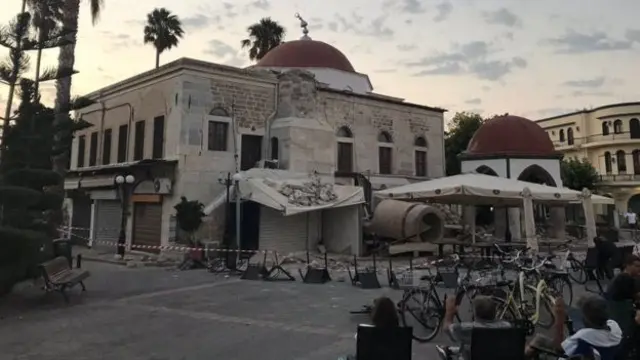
pixel 344 131
pixel 484 169
pixel 420 141
pixel 219 111
pixel 385 137
pixel 617 127
pixel 605 128
pixel 537 174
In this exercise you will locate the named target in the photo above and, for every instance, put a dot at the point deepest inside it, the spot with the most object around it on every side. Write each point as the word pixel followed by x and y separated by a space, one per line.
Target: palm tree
pixel 66 62
pixel 163 30
pixel 263 36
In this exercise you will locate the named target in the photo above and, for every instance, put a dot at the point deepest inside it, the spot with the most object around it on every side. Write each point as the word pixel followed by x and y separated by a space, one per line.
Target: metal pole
pixel 123 222
pixel 238 243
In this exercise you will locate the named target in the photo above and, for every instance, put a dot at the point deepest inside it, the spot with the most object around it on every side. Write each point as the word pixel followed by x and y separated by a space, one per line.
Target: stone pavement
pixel 162 314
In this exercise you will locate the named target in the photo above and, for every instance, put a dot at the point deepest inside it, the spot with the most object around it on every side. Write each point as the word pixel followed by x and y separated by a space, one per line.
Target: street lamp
pixel 123 182
pixel 236 179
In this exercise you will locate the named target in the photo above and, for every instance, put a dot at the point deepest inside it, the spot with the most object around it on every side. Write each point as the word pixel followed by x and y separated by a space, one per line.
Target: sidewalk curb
pixel 104 261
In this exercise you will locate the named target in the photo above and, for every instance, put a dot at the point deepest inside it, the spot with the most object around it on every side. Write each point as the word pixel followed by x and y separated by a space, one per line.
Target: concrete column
pixel 515 224
pixel 558 222
pixel 469 216
pixel 499 222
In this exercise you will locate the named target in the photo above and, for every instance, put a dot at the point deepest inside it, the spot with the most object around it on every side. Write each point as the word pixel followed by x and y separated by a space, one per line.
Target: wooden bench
pixel 58 276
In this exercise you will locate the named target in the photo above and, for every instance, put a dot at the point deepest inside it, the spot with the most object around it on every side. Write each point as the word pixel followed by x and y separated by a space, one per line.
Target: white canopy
pixel 479 189
pixel 262 187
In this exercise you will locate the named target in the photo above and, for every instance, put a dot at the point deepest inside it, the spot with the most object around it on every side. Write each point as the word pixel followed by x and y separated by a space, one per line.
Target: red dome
pixel 305 54
pixel 510 135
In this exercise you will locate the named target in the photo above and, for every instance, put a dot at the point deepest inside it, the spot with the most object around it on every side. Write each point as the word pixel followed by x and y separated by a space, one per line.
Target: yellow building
pixel 609 136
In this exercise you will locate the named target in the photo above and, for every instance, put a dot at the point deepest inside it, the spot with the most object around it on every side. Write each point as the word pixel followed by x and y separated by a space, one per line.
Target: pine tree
pixel 27 226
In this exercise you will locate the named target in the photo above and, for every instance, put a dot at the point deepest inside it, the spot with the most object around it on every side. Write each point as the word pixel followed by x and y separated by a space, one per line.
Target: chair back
pixel 510 346
pixel 622 312
pixel 374 343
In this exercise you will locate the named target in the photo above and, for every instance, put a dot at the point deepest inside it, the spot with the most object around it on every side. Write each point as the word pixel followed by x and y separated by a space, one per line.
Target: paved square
pixel 165 315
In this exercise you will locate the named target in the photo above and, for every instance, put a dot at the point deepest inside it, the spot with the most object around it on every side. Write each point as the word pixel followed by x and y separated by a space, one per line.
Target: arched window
pixel 385 152
pixel 420 156
pixel 561 135
pixel 634 128
pixel 605 128
pixel 607 162
pixel 617 127
pixel 345 150
pixel 218 111
pixel 622 161
pixel 636 161
pixel 570 136
pixel 274 148
pixel 344 132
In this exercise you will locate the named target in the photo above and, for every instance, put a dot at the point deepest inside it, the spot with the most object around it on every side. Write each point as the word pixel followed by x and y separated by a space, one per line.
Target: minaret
pixel 303 25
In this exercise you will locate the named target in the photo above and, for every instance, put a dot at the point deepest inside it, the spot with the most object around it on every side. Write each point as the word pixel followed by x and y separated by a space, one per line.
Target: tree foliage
pixel 263 36
pixel 461 130
pixel 163 30
pixel 189 214
pixel 578 174
pixel 31 138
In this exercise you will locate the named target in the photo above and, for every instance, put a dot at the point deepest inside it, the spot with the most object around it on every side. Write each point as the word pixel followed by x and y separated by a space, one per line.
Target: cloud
pixel 576 43
pixel 632 35
pixel 412 7
pixel 225 53
pixel 315 23
pixel 261 4
pixel 199 22
pixel 550 112
pixel 120 41
pixel 444 9
pixel 470 58
pixel 385 71
pixel 377 28
pixel 503 17
pixel 590 83
pixel 582 93
pixel 474 101
pixel 406 47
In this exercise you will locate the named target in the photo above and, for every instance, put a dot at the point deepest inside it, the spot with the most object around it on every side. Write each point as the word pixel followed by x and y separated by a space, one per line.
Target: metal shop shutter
pixel 107 223
pixel 147 229
pixel 284 234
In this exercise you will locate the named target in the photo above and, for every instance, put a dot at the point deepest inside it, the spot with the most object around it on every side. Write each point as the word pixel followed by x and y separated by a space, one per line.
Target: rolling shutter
pixel 147 220
pixel 107 224
pixel 286 234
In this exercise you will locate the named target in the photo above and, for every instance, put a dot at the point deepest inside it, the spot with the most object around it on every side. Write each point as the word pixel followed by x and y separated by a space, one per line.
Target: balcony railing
pixel 620 177
pixel 597 138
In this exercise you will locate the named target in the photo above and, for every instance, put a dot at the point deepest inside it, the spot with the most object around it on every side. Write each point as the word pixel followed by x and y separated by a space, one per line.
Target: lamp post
pixel 123 182
pixel 236 180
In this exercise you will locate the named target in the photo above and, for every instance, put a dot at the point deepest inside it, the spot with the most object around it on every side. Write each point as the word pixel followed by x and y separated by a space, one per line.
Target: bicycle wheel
pixel 545 318
pixel 577 272
pixel 420 310
pixel 561 286
pixel 504 310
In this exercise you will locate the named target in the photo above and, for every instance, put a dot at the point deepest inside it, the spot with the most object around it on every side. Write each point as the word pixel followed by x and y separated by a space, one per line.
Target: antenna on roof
pixel 303 25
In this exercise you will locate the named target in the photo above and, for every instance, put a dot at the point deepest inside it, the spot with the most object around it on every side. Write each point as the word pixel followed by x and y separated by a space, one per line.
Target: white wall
pixel 551 165
pixel 342 230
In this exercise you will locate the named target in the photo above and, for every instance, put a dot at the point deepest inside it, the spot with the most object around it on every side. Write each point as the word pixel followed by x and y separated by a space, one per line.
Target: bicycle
pixel 555 279
pixel 524 300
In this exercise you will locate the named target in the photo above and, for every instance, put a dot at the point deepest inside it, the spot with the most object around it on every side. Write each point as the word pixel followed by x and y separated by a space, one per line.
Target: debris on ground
pixel 309 193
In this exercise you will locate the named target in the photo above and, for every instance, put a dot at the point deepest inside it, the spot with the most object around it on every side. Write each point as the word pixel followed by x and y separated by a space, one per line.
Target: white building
pixel 180 128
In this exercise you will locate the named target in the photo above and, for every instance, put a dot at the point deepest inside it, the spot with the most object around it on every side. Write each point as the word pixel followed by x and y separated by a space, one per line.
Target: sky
pixel 533 58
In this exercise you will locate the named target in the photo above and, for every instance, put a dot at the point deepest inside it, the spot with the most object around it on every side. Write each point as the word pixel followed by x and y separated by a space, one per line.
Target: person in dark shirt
pixel 625 286
pixel 607 251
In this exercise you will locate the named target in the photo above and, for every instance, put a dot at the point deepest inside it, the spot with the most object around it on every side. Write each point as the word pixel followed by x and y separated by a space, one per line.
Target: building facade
pixel 609 137
pixel 179 129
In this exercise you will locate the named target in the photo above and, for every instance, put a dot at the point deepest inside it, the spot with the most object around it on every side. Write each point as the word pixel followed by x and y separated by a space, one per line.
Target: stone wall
pixel 366 117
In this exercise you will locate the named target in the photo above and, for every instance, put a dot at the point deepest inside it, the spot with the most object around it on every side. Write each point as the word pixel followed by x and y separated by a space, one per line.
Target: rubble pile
pixel 311 193
pixel 451 216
